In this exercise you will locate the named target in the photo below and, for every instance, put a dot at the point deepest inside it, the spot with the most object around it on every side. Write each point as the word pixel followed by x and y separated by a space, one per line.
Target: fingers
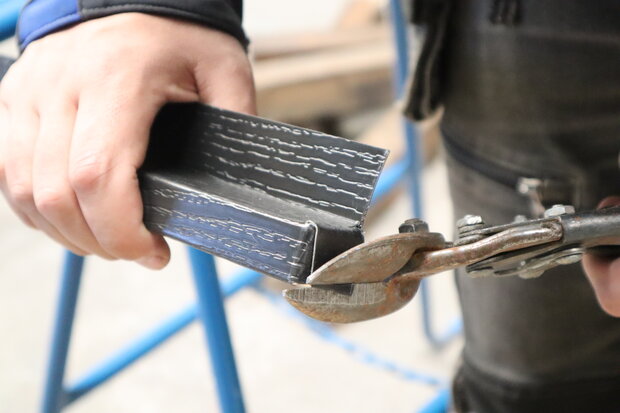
pixel 53 196
pixel 108 145
pixel 609 201
pixel 20 145
pixel 5 133
pixel 75 179
pixel 604 276
pixel 604 273
pixel 82 101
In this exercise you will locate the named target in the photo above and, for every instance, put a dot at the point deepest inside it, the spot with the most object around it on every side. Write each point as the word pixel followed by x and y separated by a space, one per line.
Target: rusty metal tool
pixel 379 277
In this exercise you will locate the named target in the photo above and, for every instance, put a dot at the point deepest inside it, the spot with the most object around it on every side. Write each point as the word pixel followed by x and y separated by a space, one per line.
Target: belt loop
pixel 507 12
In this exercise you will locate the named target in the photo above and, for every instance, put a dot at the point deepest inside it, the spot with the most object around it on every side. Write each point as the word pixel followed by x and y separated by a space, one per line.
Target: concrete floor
pixel 284 367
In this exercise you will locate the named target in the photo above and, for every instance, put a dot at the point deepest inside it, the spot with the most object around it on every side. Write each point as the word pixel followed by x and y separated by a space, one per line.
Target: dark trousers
pixel 537 96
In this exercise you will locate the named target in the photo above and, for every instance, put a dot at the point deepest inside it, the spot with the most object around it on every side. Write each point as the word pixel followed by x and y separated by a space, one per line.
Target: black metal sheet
pixel 273 197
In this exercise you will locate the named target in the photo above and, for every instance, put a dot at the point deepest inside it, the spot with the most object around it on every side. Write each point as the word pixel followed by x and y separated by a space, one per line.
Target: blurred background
pixel 325 64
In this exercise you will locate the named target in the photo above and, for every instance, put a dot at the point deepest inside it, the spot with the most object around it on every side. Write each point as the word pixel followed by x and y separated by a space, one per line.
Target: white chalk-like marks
pixel 373 158
pixel 296 163
pixel 320 160
pixel 192 235
pixel 205 200
pixel 303 166
pixel 303 199
pixel 310 200
pixel 260 155
pixel 250 236
pixel 242 242
pixel 228 148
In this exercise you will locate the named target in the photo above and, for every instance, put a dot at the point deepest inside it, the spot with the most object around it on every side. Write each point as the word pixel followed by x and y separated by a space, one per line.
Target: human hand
pixel 75 114
pixel 604 273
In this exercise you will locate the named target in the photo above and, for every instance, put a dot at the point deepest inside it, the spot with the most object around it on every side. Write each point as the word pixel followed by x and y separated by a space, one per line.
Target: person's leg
pixel 539 98
pixel 531 345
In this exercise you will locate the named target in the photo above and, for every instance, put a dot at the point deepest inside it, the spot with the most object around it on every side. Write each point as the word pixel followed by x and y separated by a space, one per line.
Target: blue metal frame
pixel 439 404
pixel 152 339
pixel 54 397
pixel 413 155
pixel 211 310
pixel 210 297
pixel 9 12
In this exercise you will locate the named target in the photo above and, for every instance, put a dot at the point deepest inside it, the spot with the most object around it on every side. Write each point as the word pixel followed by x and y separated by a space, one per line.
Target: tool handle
pixel 605 251
pixel 593 228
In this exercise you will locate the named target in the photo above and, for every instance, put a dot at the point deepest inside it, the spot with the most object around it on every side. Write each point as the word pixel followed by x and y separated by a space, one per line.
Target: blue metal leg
pixel 439 404
pixel 147 342
pixel 9 13
pixel 415 167
pixel 437 340
pixel 211 311
pixel 54 395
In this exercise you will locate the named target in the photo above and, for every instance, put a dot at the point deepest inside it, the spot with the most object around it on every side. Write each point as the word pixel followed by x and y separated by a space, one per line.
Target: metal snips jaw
pixel 381 276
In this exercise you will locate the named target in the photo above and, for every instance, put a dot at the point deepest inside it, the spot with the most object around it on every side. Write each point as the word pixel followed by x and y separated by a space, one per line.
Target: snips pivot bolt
pixel 469 223
pixel 557 210
pixel 413 225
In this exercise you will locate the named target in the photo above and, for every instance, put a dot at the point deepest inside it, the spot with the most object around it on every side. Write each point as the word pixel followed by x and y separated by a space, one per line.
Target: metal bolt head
pixel 469 220
pixel 557 210
pixel 413 225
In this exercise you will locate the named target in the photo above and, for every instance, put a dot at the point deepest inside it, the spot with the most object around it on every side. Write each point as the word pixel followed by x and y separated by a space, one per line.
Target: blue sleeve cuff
pixel 40 17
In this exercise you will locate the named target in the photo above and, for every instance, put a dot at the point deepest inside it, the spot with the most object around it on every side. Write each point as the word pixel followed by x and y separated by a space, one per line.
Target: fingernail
pixel 153 262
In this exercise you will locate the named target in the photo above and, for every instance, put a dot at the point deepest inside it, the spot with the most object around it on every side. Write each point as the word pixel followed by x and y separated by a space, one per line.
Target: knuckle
pixel 21 194
pixel 50 200
pixel 86 173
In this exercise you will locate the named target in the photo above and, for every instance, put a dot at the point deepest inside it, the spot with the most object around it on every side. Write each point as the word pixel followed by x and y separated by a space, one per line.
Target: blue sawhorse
pixel 209 308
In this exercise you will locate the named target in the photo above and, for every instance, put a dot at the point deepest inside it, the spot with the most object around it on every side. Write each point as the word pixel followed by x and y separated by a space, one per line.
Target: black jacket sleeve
pixel 41 17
